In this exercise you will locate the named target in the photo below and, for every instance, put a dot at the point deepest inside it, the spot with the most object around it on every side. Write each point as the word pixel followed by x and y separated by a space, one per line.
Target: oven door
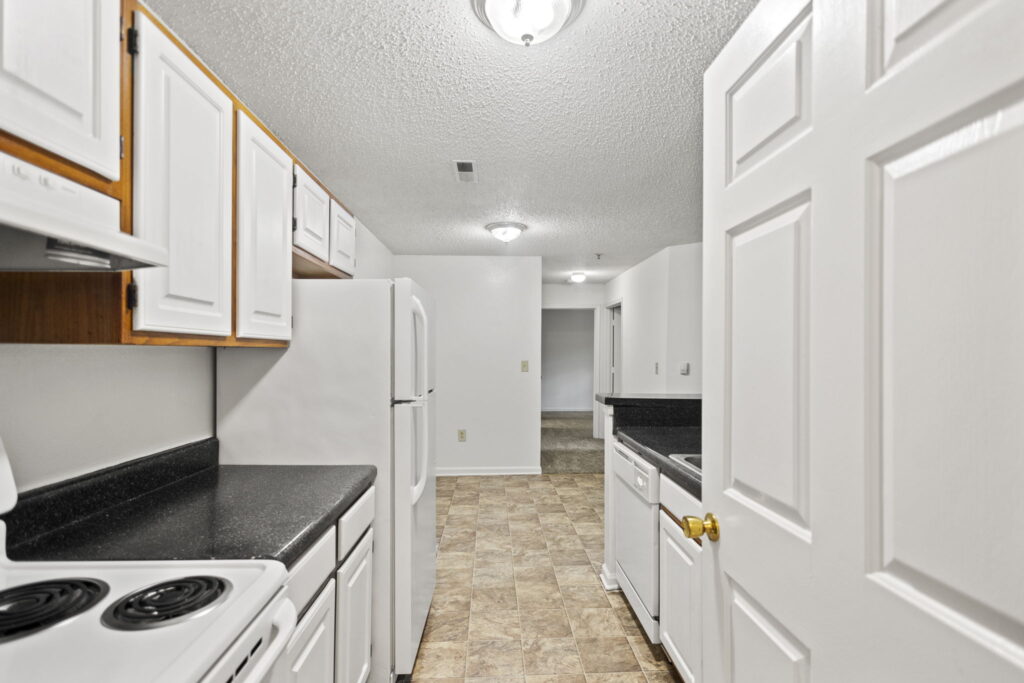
pixel 636 535
pixel 252 656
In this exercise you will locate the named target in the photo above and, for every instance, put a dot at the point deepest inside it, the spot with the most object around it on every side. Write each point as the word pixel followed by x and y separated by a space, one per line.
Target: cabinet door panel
pixel 680 600
pixel 182 196
pixel 312 216
pixel 264 205
pixel 60 78
pixel 309 657
pixel 355 602
pixel 343 239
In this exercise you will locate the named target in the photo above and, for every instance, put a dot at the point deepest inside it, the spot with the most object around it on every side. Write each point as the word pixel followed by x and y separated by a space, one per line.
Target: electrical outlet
pixel 462 435
pixel 685 369
pixel 524 366
pixel 655 368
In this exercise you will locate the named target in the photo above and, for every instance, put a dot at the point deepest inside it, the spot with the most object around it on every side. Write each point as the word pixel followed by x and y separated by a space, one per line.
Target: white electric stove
pixel 216 621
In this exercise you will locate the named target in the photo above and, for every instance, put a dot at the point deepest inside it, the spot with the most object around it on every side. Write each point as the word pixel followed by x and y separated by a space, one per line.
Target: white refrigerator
pixel 356 386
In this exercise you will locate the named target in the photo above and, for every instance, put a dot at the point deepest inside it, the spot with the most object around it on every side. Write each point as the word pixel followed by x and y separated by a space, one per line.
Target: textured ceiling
pixel 593 139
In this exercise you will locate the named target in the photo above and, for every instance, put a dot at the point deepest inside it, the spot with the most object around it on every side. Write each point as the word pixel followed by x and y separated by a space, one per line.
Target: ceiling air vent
pixel 465 171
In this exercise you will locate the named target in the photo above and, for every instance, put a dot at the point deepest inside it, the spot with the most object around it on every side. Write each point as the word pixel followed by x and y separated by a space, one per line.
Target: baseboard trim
pixel 484 471
pixel 608 579
pixel 588 409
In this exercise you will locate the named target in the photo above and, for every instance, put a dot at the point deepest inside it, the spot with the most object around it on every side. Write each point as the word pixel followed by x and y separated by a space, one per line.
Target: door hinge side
pixel 132 296
pixel 295 224
pixel 133 41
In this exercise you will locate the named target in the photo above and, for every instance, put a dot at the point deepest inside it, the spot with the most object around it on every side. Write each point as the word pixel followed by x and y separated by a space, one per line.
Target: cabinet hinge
pixel 295 180
pixel 133 41
pixel 132 296
pixel 295 224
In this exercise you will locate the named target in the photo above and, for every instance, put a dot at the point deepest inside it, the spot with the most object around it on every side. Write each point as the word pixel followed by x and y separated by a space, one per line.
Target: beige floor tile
pixel 493 558
pixel 629 622
pixel 576 575
pixel 539 595
pixel 588 528
pixel 535 575
pixel 618 599
pixel 452 598
pixel 551 656
pixel 440 660
pixel 651 657
pixel 446 627
pixel 593 542
pixel 569 557
pixel 548 508
pixel 493 577
pixel 632 677
pixel 544 623
pixel 494 625
pixel 607 655
pixel 494 658
pixel 454 575
pixel 454 560
pixel 556 678
pixel 496 679
pixel 564 542
pixel 494 598
pixel 670 676
pixel 584 596
pixel 502 543
pixel 537 542
pixel 532 558
pixel 592 622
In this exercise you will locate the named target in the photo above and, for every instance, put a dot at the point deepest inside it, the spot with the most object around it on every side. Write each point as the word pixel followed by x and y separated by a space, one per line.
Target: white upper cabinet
pixel 312 216
pixel 182 189
pixel 60 78
pixel 264 186
pixel 343 239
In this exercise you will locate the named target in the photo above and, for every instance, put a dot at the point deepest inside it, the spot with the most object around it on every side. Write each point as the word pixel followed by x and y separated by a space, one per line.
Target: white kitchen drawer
pixel 311 570
pixel 678 500
pixel 356 520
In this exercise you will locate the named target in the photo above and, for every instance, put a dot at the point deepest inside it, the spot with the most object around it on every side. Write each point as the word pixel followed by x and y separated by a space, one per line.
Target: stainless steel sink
pixel 691 461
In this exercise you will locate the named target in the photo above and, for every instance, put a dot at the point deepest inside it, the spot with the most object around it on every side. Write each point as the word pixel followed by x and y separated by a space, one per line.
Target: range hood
pixel 48 223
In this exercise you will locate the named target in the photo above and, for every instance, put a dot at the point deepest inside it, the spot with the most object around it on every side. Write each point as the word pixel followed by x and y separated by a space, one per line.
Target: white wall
pixel 487 320
pixel 373 258
pixel 68 410
pixel 661 321
pixel 573 296
pixel 567 359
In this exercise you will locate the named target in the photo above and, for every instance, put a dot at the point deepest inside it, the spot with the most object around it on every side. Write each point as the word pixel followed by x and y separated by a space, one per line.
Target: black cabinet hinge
pixel 132 296
pixel 295 180
pixel 133 41
pixel 295 224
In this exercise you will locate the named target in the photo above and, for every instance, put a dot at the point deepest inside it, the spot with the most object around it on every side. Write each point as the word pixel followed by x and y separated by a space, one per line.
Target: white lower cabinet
pixel 309 657
pixel 680 577
pixel 355 603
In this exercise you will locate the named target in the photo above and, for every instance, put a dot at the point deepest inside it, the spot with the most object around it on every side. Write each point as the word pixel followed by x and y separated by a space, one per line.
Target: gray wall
pixel 67 410
pixel 567 359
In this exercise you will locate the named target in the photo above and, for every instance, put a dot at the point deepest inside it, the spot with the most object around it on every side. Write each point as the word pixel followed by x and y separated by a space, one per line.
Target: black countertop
pixel 643 399
pixel 221 512
pixel 656 444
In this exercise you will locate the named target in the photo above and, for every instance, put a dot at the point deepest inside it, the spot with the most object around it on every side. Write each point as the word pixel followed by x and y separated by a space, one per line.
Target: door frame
pixel 598 348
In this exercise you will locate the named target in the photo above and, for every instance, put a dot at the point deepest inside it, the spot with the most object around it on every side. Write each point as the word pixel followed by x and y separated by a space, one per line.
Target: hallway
pixel 567 444
pixel 518 596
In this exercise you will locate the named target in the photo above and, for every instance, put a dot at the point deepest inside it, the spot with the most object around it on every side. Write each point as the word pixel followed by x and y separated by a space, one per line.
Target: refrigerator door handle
pixel 418 311
pixel 423 454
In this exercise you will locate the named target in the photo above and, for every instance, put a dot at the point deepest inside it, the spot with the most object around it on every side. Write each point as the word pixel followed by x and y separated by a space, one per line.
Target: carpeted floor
pixel 567 445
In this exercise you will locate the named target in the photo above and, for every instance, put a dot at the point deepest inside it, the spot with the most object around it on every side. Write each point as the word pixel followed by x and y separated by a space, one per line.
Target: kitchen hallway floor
pixel 518 596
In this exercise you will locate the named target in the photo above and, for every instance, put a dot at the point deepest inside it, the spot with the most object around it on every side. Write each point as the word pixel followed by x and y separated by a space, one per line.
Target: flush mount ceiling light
pixel 506 231
pixel 578 277
pixel 527 22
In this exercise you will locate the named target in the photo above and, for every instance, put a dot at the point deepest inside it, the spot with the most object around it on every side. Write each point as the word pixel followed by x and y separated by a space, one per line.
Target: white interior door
pixel 264 205
pixel 863 320
pixel 182 189
pixel 60 84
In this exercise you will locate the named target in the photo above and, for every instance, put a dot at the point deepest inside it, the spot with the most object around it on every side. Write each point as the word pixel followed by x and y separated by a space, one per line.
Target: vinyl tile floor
pixel 518 598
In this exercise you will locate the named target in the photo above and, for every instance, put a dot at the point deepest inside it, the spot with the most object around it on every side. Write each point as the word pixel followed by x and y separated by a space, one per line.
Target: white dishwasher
pixel 636 535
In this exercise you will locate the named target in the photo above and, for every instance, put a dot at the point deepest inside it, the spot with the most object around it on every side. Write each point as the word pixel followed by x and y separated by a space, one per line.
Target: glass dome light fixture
pixel 578 277
pixel 527 22
pixel 506 231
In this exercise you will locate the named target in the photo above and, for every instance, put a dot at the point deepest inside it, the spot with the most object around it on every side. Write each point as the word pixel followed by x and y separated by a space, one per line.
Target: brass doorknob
pixel 695 527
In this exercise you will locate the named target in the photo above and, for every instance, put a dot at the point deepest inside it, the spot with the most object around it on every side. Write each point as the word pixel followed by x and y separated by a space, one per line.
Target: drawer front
pixel 678 501
pixel 312 569
pixel 356 520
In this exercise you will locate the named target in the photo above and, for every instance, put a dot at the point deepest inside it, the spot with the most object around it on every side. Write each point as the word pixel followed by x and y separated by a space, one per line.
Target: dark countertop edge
pixel 305 539
pixel 644 399
pixel 675 472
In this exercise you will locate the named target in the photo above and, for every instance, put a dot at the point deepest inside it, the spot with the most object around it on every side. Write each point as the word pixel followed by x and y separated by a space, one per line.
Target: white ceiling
pixel 593 139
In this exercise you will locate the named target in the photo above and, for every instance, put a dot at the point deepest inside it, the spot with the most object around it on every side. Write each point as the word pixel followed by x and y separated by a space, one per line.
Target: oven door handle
pixel 284 622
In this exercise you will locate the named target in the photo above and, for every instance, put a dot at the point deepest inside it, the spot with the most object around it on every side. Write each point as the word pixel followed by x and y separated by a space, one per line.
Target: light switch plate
pixel 524 366
pixel 462 435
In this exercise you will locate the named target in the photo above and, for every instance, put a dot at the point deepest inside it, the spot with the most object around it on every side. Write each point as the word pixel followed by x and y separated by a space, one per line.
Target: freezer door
pixel 415 528
pixel 413 334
